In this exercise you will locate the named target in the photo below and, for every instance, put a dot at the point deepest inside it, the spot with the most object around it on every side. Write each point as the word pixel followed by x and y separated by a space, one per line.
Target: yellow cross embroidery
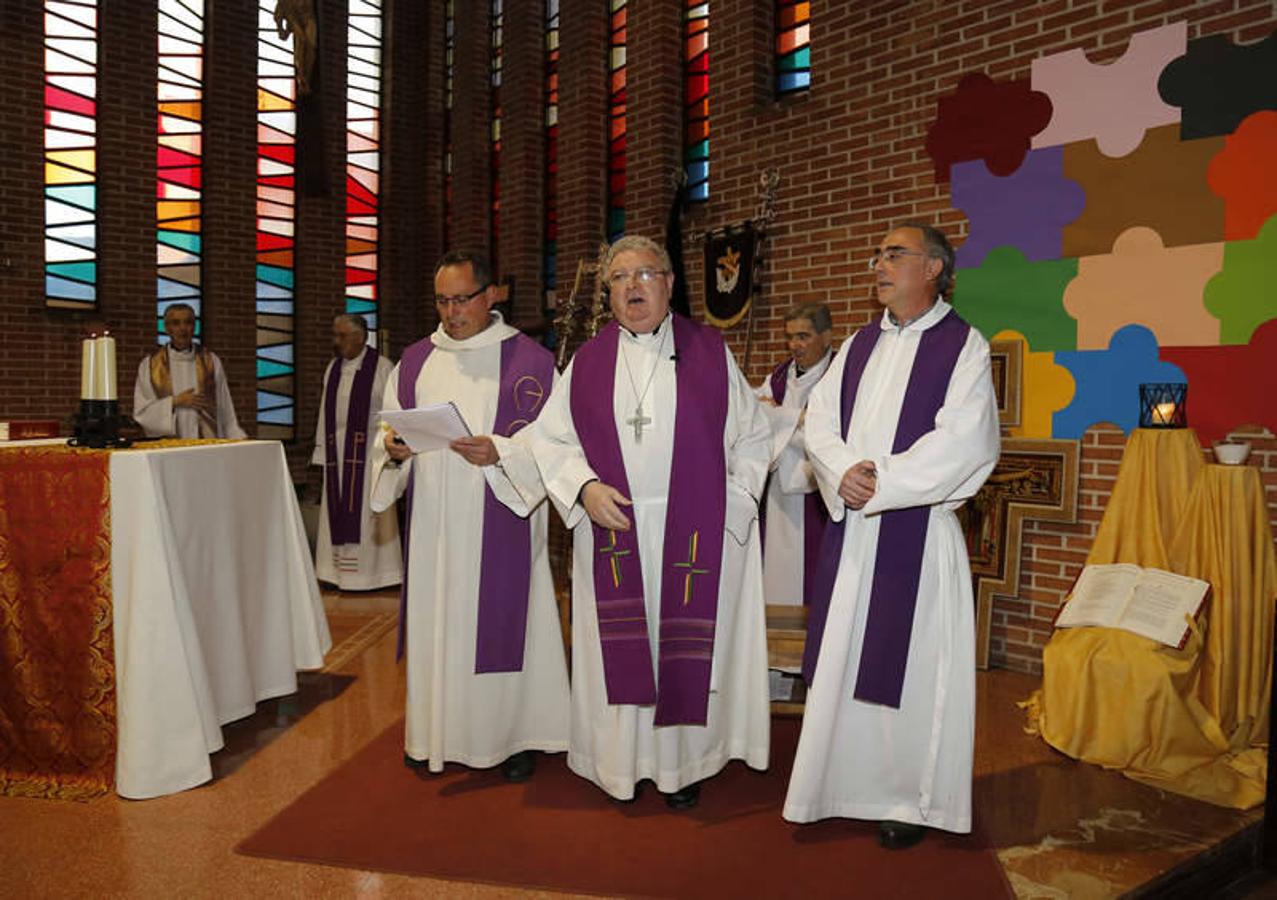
pixel 613 552
pixel 690 565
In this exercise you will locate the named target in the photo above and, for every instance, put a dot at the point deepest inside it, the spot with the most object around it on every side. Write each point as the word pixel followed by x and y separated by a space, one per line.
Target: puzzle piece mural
pixel 1242 174
pixel 1162 185
pixel 1230 386
pixel 1046 387
pixel 987 120
pixel 1027 209
pixel 1108 382
pixel 1009 291
pixel 1143 282
pixel 1242 296
pixel 1217 84
pixel 1113 103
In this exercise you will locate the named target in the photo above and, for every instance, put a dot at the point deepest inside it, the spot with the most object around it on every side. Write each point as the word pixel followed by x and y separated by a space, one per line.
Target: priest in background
pixel 487 678
pixel 357 549
pixel 181 388
pixel 794 516
pixel 654 451
pixel 901 431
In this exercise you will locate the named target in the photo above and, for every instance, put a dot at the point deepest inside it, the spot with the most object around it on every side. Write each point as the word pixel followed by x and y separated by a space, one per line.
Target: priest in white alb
pixel 654 450
pixel 486 674
pixel 356 549
pixel 181 389
pixel 901 431
pixel 794 516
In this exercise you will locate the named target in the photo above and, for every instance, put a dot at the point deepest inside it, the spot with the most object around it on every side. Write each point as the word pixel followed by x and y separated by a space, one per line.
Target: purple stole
pixel 345 500
pixel 505 576
pixel 694 519
pixel 815 516
pixel 902 533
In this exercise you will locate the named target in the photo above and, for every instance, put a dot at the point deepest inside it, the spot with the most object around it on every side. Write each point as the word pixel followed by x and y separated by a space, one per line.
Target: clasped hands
pixel 858 484
pixel 193 399
pixel 478 450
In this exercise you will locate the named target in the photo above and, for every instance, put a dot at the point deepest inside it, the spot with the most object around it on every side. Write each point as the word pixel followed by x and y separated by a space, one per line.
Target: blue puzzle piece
pixel 1108 382
pixel 1027 209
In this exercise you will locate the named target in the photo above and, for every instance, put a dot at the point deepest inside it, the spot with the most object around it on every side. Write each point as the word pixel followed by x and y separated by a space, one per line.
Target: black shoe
pixel 519 767
pixel 685 798
pixel 899 835
pixel 417 765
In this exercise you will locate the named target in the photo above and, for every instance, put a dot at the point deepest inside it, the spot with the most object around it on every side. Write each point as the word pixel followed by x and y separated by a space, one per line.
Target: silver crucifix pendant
pixel 638 421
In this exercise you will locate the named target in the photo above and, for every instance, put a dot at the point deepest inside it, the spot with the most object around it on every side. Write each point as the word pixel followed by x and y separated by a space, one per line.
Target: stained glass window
pixel 276 208
pixel 793 46
pixel 363 158
pixel 495 25
pixel 696 99
pixel 179 155
pixel 551 142
pixel 616 124
pixel 70 153
pixel 449 49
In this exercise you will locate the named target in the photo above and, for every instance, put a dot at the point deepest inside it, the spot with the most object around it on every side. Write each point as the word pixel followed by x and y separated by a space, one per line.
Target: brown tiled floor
pixel 1061 828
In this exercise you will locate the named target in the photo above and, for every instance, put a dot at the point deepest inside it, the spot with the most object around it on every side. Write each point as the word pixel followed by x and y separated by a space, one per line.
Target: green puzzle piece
pixel 1242 296
pixel 1008 291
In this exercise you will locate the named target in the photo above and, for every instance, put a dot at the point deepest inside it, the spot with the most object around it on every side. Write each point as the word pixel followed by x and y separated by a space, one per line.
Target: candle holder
pixel 1164 405
pixel 97 425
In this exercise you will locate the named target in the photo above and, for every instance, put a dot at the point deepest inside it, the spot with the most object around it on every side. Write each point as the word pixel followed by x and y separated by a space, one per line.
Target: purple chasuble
pixel 345 495
pixel 815 516
pixel 902 533
pixel 527 374
pixel 694 519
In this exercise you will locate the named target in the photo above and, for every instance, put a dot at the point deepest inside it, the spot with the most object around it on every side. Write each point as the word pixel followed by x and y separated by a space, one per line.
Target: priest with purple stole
pixel 356 549
pixel 487 678
pixel 654 450
pixel 901 431
pixel 794 515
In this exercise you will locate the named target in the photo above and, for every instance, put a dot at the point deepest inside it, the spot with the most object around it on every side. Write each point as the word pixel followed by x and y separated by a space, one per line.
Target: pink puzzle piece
pixel 1115 103
pixel 1242 173
pixel 1145 283
pixel 1230 386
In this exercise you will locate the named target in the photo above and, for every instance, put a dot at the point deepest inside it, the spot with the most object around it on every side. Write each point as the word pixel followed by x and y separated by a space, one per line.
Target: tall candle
pixel 106 363
pixel 87 356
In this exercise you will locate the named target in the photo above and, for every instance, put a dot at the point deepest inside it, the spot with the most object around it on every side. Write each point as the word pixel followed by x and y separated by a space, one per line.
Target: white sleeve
pixel 388 479
pixel 828 453
pixel 227 424
pixel 558 452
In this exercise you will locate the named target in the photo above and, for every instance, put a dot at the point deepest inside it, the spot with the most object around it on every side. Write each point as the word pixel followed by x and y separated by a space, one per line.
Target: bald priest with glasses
pixel 486 674
pixel 654 450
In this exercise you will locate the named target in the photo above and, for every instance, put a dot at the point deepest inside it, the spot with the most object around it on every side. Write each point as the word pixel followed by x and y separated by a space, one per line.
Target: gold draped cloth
pixel 1192 721
pixel 57 647
pixel 57 667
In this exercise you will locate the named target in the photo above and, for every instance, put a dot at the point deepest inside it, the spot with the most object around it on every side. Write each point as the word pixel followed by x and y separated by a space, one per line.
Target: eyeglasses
pixel 459 299
pixel 644 275
pixel 891 255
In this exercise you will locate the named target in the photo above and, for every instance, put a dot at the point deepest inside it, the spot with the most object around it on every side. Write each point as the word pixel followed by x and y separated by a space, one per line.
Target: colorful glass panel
pixel 550 261
pixel 616 123
pixel 276 215
pixel 70 153
pixel 179 158
pixel 363 160
pixel 696 99
pixel 793 46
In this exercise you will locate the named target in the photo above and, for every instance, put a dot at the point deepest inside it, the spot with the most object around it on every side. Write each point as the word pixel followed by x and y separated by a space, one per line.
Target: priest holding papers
pixel 901 431
pixel 654 450
pixel 181 388
pixel 356 549
pixel 487 678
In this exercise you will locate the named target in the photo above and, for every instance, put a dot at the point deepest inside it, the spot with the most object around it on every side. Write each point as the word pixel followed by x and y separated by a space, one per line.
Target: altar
pixel 187 572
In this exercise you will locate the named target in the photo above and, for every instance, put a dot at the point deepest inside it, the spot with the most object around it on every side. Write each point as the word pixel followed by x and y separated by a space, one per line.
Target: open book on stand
pixel 1148 602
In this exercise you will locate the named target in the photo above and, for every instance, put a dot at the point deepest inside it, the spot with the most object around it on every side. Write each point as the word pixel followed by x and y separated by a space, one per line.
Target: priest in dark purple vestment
pixel 794 516
pixel 486 671
pixel 356 549
pixel 901 431
pixel 654 450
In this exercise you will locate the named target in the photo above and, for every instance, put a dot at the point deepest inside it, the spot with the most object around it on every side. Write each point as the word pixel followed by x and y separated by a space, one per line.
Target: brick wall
pixel 849 153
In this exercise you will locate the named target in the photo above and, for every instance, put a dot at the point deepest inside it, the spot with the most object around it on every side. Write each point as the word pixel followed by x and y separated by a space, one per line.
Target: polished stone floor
pixel 1061 829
